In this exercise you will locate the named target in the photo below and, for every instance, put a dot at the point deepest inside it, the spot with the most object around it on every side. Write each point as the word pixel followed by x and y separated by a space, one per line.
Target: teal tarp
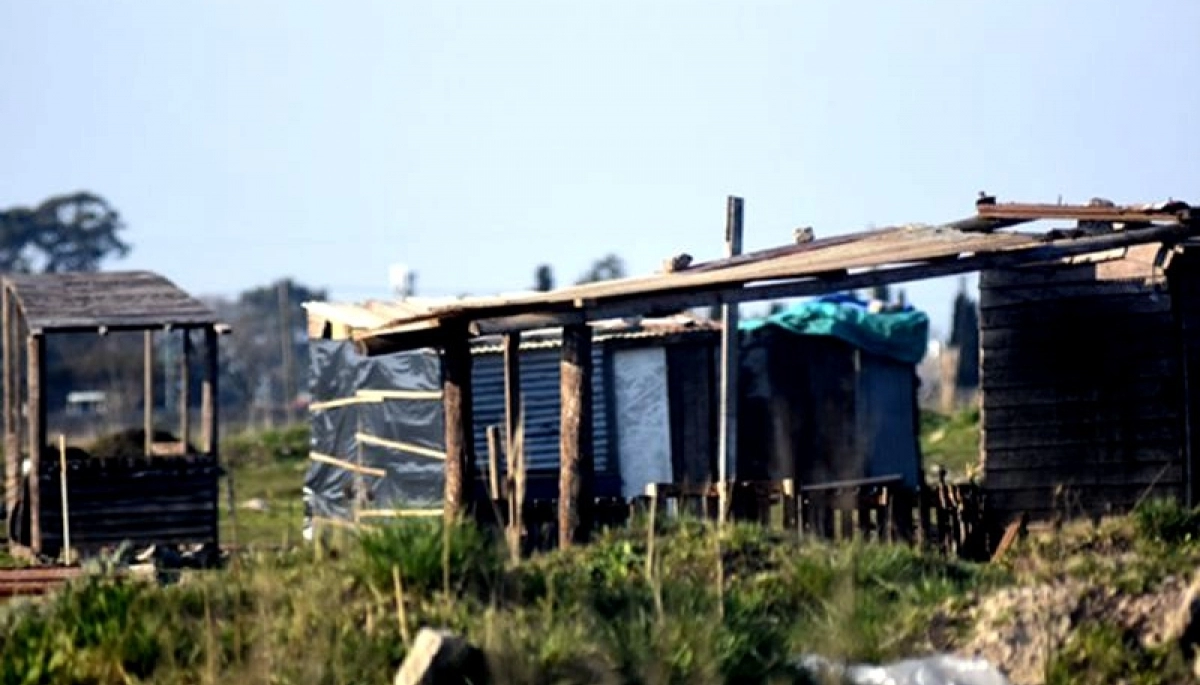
pixel 900 335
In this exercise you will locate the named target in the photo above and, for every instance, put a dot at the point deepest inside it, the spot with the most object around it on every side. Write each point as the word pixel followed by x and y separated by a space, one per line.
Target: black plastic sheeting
pixel 338 372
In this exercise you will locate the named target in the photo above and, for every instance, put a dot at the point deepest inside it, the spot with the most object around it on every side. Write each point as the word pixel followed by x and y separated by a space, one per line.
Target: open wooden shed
pixel 156 493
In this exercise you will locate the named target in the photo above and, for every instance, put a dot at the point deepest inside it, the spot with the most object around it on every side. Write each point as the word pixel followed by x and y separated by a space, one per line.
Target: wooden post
pixel 493 447
pixel 12 416
pixel 459 424
pixel 727 438
pixel 210 415
pixel 36 358
pixel 208 393
pixel 185 391
pixel 148 391
pixel 66 509
pixel 512 394
pixel 577 470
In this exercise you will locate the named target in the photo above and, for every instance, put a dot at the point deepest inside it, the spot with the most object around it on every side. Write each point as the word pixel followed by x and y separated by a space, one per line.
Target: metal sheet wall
pixel 540 395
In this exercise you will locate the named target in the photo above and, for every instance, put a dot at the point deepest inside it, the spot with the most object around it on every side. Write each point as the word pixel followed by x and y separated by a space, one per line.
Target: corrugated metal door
pixel 540 395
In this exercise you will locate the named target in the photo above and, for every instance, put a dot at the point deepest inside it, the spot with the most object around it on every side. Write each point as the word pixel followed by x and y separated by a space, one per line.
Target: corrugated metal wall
pixel 1082 390
pixel 540 394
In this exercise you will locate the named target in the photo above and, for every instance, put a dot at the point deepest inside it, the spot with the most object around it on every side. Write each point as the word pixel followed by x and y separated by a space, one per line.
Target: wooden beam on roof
pixel 459 426
pixel 680 298
pixel 678 301
pixel 577 469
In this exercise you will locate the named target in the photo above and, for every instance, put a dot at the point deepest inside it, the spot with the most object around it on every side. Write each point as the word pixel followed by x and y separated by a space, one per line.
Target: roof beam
pixel 687 297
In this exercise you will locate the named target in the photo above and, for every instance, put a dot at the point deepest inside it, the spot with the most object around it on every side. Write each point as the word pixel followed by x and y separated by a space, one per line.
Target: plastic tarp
pixel 409 478
pixel 939 669
pixel 902 334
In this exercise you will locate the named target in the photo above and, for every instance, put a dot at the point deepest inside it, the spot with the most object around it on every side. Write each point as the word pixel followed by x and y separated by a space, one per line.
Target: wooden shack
pixel 381 417
pixel 1088 401
pixel 149 493
pixel 840 263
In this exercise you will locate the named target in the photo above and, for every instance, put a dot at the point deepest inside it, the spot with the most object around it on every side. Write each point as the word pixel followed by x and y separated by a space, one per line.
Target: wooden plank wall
pixel 1184 277
pixel 1082 390
pixel 141 501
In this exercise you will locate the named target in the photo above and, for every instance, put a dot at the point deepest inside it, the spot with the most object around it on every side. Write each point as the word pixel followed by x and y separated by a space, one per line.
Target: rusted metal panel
pixel 118 300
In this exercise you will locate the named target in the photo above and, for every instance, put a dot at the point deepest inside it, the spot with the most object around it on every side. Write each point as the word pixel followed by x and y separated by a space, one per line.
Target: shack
pixel 981 242
pixel 152 485
pixel 829 393
pixel 378 445
pixel 1089 398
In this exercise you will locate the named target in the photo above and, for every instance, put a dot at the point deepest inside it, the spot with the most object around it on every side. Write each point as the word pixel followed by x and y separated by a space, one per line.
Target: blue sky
pixel 244 141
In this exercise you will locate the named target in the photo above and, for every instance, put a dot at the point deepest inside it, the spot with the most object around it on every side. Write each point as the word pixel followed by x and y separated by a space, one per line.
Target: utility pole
pixel 727 440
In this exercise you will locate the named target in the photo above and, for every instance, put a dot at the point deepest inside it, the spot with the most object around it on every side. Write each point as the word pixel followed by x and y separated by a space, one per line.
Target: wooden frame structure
pixel 867 259
pixel 37 306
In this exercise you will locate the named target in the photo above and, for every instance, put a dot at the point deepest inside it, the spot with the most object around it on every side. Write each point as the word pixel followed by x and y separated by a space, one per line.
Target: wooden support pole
pixel 12 417
pixel 727 430
pixel 210 416
pixel 459 424
pixel 66 509
pixel 577 470
pixel 185 391
pixel 36 359
pixel 148 391
pixel 512 394
pixel 493 447
pixel 208 393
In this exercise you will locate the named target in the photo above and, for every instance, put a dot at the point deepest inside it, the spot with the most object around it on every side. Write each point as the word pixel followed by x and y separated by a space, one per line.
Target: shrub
pixel 1167 521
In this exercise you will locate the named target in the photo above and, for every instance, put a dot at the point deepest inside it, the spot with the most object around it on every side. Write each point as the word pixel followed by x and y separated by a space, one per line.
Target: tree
pixel 607 268
pixel 75 232
pixel 964 334
pixel 254 367
pixel 543 278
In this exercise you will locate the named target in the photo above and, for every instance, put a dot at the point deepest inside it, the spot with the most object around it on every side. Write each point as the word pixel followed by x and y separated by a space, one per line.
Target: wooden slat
pixel 1084 477
pixel 1099 432
pixel 1041 501
pixel 1153 390
pixel 1082 414
pixel 1080 455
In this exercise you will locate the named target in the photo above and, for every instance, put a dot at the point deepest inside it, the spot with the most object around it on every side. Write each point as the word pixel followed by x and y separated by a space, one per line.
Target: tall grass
pixel 594 614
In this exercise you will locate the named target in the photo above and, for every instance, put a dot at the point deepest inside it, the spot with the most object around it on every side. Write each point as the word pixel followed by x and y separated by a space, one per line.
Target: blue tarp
pixel 902 335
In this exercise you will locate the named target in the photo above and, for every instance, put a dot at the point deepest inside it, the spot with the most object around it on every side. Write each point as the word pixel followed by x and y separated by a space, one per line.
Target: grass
pixel 951 442
pixel 692 610
pixel 600 614
pixel 267 466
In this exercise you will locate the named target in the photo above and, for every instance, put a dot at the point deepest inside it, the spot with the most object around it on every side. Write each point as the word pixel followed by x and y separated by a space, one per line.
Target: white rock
pixel 439 657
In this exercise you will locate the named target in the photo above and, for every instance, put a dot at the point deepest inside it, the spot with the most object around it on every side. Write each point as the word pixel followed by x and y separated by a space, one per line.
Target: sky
pixel 244 141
